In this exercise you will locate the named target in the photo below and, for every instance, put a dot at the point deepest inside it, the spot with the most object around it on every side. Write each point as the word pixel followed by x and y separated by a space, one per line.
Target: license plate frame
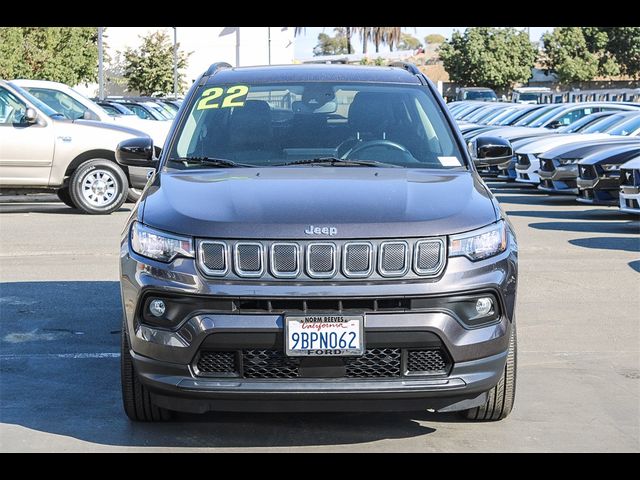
pixel 352 323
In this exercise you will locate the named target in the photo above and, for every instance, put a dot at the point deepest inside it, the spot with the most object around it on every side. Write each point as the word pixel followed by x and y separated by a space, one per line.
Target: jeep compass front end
pixel 317 238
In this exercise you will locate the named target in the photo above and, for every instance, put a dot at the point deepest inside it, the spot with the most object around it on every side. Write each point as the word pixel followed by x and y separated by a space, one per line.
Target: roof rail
pixel 215 67
pixel 409 67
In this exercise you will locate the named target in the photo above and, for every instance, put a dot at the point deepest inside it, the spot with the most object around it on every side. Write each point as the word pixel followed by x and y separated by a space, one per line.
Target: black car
pixel 482 94
pixel 599 174
pixel 316 237
pixel 559 166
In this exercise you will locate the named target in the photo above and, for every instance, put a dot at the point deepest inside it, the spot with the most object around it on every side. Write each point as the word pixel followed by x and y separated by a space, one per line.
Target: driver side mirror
pixel 136 152
pixel 487 151
pixel 30 115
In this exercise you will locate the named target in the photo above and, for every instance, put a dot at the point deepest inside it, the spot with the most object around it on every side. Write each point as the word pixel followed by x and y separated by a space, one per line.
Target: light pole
pixel 269 38
pixel 175 61
pixel 100 65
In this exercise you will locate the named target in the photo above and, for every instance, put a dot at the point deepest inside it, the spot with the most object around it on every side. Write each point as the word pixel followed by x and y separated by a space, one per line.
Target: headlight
pixel 569 161
pixel 479 244
pixel 159 245
pixel 609 167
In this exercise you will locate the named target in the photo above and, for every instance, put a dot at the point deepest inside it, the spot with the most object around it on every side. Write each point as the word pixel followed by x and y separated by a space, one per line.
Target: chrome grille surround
pixel 348 262
pixel 306 260
pixel 326 247
pixel 275 258
pixel 202 254
pixel 400 251
pixel 238 261
pixel 419 251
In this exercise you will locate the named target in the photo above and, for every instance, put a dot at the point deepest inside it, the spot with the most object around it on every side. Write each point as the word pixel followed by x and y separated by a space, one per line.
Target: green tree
pixel 61 54
pixel 149 68
pixel 408 42
pixel 623 43
pixel 327 45
pixel 435 38
pixel 567 54
pixel 489 57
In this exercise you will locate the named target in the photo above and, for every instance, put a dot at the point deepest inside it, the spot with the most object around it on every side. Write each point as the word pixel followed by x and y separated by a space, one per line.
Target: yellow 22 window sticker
pixel 233 96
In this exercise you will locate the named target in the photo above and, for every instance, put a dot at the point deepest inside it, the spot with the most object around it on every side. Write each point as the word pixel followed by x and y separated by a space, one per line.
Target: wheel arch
pixel 91 155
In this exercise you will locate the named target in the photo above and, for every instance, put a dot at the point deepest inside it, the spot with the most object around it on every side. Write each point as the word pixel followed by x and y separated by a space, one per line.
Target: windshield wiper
pixel 210 161
pixel 335 161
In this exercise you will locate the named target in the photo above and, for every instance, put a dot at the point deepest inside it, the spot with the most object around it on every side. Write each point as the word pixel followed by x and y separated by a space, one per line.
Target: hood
pixel 537 145
pixel 510 133
pixel 582 149
pixel 283 202
pixel 632 164
pixel 613 155
pixel 110 126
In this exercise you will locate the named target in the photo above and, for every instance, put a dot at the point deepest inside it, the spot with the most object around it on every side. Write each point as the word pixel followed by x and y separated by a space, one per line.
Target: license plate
pixel 324 335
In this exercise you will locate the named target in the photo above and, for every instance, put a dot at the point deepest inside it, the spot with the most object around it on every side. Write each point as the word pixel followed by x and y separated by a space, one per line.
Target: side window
pixel 139 112
pixel 12 109
pixel 110 110
pixel 60 102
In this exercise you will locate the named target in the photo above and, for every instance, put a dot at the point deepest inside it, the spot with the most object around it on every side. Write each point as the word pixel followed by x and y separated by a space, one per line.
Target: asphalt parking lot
pixel 578 328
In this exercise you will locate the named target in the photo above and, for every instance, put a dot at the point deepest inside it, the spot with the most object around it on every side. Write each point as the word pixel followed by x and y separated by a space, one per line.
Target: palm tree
pixel 392 36
pixel 377 35
pixel 365 36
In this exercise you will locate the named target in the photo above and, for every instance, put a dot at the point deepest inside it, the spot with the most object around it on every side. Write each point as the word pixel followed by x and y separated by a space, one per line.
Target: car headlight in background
pixel 158 245
pixel 611 167
pixel 569 161
pixel 480 244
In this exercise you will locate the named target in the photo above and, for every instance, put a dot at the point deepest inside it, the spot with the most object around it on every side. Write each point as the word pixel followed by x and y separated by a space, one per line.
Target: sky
pixel 306 41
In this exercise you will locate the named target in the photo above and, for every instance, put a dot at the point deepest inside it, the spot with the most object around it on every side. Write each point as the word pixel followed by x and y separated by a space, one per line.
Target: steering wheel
pixel 378 143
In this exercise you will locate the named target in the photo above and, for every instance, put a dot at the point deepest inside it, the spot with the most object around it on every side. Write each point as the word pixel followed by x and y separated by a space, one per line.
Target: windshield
pixel 37 102
pixel 606 123
pixel 267 125
pixel 482 94
pixel 533 116
pixel 528 96
pixel 626 128
pixel 584 122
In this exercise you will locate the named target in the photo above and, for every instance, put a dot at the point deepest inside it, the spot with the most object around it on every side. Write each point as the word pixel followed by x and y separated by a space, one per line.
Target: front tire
pixel 501 397
pixel 65 197
pixel 98 187
pixel 135 396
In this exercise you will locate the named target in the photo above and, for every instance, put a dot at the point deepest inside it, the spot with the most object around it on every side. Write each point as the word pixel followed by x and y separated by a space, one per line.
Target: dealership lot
pixel 578 331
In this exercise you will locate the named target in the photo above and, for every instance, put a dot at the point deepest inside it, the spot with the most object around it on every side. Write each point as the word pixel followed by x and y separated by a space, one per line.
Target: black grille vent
pixel 587 172
pixel 321 259
pixel 248 258
pixel 426 362
pixel 357 259
pixel 428 256
pixel 284 259
pixel 214 257
pixel 216 363
pixel 268 364
pixel 393 258
pixel 547 165
pixel 523 160
pixel 376 362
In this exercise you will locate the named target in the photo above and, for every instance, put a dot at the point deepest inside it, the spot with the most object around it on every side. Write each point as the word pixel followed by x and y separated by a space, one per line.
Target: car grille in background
pixel 630 177
pixel 523 160
pixel 271 364
pixel 587 172
pixel 547 165
pixel 344 259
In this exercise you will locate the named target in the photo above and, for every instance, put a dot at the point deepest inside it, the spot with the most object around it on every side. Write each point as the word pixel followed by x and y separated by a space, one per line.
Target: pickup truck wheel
pixel 65 197
pixel 135 396
pixel 500 399
pixel 98 187
pixel 133 194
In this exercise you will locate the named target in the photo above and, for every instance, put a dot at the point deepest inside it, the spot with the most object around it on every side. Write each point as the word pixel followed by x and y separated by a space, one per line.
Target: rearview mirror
pixel 136 152
pixel 30 115
pixel 490 150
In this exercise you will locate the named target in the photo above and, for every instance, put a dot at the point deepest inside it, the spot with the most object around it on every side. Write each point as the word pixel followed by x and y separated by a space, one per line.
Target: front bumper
pixel 630 199
pixel 559 178
pixel 164 358
pixel 601 190
pixel 527 168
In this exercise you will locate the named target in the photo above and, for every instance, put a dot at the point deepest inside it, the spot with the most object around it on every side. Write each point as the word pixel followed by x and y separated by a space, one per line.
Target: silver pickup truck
pixel 42 150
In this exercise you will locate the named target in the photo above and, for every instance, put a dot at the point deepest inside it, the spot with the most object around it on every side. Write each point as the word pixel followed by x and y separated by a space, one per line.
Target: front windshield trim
pixel 446 127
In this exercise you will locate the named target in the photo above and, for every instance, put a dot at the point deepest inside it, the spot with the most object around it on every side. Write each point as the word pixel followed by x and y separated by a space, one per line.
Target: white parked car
pixel 40 149
pixel 65 100
pixel 630 186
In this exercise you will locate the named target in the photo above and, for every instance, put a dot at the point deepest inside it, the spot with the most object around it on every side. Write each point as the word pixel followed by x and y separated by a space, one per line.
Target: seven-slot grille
pixel 307 259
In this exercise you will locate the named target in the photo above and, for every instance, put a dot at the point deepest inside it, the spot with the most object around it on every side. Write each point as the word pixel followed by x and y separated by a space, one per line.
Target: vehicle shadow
pixel 548 200
pixel 630 228
pixel 56 208
pixel 594 214
pixel 46 386
pixel 635 265
pixel 627 244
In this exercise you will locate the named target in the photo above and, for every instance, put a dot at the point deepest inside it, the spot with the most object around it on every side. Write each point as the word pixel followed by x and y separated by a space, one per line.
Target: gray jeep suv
pixel 316 238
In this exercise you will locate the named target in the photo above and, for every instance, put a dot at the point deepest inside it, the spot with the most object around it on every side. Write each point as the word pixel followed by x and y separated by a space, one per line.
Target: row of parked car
pixel 54 138
pixel 590 149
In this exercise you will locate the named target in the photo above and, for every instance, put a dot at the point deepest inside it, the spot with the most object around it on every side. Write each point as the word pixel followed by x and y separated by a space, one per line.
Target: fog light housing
pixel 157 307
pixel 484 306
